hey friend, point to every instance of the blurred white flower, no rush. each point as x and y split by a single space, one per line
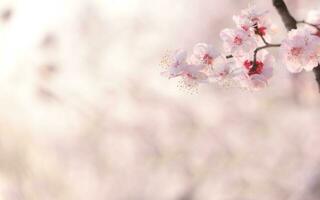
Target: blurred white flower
313 17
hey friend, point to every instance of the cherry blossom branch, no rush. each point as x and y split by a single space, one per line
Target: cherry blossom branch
248 39
316 71
313 25
267 45
254 67
291 23
264 40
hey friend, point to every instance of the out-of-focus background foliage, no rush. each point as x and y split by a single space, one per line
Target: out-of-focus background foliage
85 114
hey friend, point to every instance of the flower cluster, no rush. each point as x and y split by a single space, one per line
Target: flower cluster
245 59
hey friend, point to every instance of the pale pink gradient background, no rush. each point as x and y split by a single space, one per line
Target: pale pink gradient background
105 125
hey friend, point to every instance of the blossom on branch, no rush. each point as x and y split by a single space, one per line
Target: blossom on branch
300 50
256 73
253 21
204 54
237 41
245 61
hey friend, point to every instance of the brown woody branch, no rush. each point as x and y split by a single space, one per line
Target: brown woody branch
291 23
288 20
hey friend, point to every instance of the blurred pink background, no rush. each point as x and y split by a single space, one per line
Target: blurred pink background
85 113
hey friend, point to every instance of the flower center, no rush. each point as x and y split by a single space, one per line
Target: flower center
190 76
261 31
296 51
256 70
237 40
207 59
247 64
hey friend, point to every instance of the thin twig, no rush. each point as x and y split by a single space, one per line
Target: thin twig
254 66
264 40
267 45
310 24
289 22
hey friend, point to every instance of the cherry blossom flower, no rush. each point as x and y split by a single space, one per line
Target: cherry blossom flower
204 54
237 41
253 21
256 75
175 64
178 66
300 50
221 69
193 75
226 73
